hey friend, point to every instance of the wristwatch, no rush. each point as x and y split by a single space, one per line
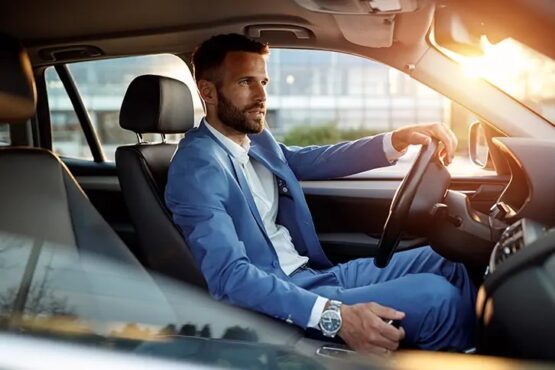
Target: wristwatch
330 321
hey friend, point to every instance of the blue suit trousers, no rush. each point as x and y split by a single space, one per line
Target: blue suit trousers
436 295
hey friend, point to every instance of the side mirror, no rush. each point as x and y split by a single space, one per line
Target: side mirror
479 148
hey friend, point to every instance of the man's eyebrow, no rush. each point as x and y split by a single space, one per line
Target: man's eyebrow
247 77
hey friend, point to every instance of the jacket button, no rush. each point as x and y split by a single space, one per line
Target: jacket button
275 263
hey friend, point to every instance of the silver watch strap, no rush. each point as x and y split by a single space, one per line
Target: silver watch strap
334 305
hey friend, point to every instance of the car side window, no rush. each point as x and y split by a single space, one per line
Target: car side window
5 139
324 97
68 139
102 85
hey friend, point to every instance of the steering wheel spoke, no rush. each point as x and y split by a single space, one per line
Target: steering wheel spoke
423 187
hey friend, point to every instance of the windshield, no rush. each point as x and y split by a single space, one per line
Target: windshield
518 70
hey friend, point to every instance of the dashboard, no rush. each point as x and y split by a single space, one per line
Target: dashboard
516 304
532 186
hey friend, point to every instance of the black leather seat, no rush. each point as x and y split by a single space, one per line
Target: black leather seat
39 198
162 105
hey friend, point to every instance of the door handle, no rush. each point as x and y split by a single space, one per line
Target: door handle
300 33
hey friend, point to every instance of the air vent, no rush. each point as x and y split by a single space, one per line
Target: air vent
515 237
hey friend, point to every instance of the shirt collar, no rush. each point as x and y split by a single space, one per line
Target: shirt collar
239 152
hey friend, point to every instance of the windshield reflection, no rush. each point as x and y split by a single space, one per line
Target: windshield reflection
57 291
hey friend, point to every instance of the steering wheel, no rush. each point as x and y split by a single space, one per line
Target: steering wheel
424 186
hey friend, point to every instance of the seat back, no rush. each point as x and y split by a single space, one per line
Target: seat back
39 198
155 104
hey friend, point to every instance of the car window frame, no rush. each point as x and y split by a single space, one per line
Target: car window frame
91 135
82 113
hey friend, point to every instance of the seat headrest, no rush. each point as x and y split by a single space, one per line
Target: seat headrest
157 104
17 85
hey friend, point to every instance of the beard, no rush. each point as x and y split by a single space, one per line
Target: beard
238 119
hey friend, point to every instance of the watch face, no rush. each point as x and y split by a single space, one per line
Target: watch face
330 321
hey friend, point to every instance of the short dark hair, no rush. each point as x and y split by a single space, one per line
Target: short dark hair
212 52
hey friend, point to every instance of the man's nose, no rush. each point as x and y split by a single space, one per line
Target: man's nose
260 92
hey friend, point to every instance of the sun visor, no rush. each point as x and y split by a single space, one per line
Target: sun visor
371 31
17 87
369 23
353 7
459 25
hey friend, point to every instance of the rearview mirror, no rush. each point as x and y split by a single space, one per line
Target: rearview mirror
478 147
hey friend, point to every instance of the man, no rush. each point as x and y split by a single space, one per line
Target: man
235 194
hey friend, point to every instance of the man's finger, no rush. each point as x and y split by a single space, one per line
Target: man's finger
380 340
453 137
452 142
418 138
391 333
387 313
448 139
443 154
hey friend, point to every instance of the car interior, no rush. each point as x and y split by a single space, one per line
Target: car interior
500 224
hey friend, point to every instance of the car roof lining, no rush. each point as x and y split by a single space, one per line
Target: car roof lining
178 26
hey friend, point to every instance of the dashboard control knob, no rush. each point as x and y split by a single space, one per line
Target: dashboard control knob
499 210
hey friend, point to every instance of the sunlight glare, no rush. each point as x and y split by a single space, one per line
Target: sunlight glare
517 70
502 64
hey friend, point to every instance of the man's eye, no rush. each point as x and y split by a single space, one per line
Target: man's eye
244 82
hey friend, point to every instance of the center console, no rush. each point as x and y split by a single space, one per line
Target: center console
516 303
515 237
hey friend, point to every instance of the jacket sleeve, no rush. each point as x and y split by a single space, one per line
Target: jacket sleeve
200 212
331 161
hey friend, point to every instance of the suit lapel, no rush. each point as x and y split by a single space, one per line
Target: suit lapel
269 160
239 175
258 152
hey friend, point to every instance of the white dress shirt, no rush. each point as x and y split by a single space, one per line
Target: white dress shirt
263 186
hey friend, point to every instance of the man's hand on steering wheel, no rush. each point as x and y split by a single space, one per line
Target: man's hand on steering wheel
421 134
422 187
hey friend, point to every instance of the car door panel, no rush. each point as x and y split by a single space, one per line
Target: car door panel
349 214
342 247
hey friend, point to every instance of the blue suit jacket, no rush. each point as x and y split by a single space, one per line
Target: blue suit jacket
213 206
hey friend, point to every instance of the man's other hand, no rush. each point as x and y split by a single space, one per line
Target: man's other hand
365 328
421 134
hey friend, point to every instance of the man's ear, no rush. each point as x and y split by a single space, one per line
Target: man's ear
207 90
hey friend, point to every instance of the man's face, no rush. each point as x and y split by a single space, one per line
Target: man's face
242 92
